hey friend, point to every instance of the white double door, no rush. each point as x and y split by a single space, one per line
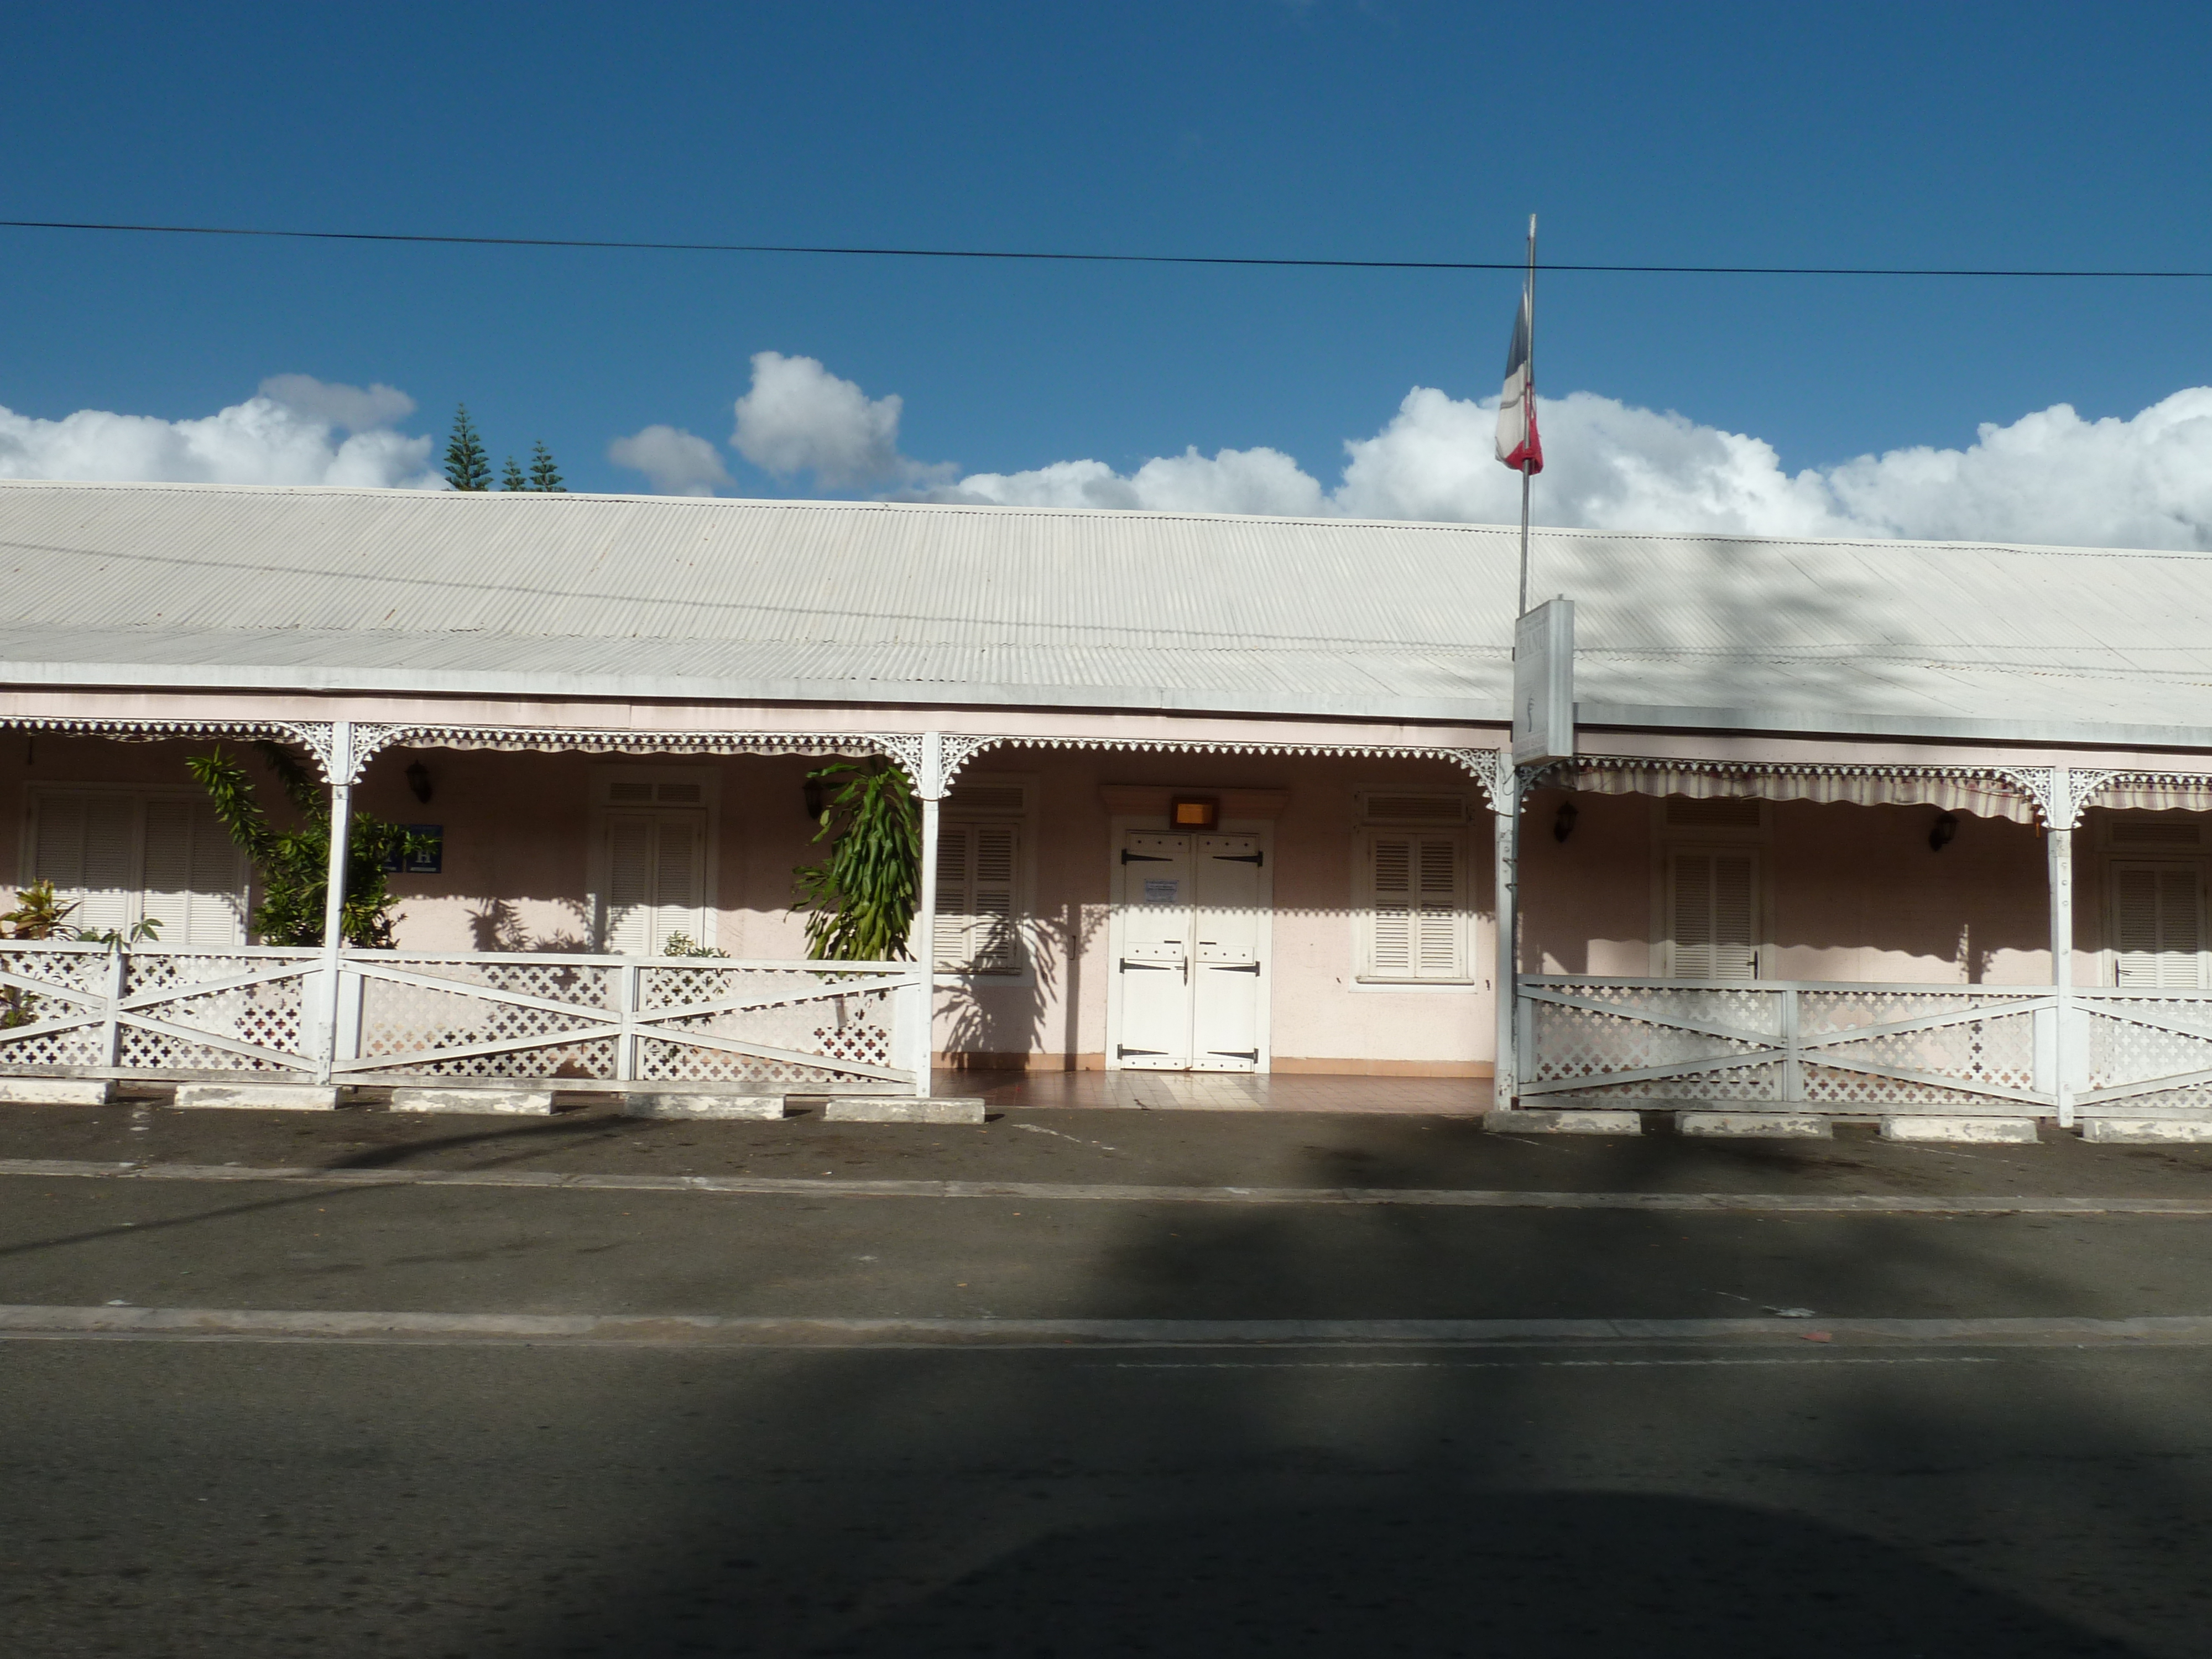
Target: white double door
1190 970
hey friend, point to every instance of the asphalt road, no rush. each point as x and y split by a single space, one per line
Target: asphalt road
912 1487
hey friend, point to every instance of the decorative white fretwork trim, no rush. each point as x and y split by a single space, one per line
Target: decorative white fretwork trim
1479 763
369 739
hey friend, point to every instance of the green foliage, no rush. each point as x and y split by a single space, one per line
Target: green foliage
467 466
860 901
294 865
544 475
513 478
683 945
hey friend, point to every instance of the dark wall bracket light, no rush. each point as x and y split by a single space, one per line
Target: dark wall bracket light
1563 826
418 780
1942 832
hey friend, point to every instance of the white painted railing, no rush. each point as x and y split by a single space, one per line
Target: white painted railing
1809 1045
90 1011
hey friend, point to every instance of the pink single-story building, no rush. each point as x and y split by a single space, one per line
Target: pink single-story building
1849 829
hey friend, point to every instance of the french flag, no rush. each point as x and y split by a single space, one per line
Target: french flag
1518 445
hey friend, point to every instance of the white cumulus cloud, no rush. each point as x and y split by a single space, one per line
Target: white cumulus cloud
2049 477
799 417
675 462
286 435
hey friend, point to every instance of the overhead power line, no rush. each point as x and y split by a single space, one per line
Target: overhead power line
1072 257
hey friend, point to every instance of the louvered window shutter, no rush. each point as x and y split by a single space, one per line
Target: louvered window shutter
169 869
630 886
86 847
218 908
1437 918
1736 935
955 855
2158 926
1714 910
1390 878
1693 915
991 945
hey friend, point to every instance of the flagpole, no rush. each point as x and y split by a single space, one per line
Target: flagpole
1530 394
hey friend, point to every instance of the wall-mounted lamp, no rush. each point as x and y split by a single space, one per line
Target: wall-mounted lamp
1563 824
1194 812
418 780
1942 832
811 792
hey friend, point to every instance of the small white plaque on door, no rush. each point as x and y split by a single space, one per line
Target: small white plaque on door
1163 892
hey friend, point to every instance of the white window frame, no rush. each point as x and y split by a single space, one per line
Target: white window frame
1024 923
1453 828
604 807
134 899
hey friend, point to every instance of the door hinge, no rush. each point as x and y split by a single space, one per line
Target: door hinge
1234 857
1150 967
1234 967
1123 1053
1127 857
1252 1055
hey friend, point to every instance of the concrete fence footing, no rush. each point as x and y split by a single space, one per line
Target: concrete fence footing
56 1091
1565 1122
497 1103
890 1108
1756 1126
702 1106
2008 1131
257 1096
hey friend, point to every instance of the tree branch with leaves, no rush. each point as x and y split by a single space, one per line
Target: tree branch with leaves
860 901
294 865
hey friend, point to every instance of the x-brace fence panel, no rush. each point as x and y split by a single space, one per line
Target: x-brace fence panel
94 1010
1811 1045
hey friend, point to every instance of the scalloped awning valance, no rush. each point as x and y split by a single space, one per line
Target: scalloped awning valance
1952 789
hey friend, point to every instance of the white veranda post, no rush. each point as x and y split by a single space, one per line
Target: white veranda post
2061 964
929 785
341 775
1505 835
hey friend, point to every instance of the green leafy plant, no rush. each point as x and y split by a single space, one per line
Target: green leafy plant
683 945
860 900
467 466
294 865
512 478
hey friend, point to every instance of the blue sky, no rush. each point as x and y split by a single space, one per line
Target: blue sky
1985 135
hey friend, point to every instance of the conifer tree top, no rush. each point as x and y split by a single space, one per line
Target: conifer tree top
467 466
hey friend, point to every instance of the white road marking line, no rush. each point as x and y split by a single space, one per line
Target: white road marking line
1093 1191
1536 1364
1039 1129
40 1322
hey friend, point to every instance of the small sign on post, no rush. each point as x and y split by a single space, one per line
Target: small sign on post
1544 684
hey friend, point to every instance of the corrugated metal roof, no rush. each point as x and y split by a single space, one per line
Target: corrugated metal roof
632 595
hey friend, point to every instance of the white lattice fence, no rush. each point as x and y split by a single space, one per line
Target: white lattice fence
767 1025
176 1014
2147 1053
155 1013
1810 1045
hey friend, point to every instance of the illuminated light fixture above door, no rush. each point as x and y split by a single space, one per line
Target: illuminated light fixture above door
1195 813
